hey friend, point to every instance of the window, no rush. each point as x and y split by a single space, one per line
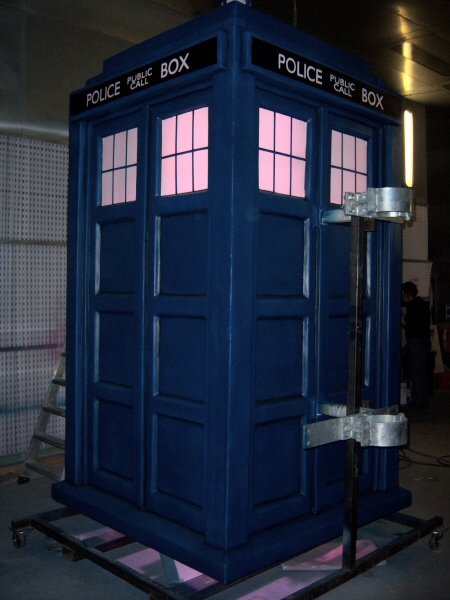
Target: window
119 167
282 153
348 165
184 153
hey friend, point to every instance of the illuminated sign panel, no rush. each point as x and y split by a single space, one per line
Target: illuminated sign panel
190 59
302 69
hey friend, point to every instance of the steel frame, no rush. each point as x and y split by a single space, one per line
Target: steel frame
204 587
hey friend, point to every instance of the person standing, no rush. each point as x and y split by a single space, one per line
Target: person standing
418 342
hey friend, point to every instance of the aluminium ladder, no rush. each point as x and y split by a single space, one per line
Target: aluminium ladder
33 461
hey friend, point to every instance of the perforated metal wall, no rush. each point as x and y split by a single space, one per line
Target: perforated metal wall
33 206
415 235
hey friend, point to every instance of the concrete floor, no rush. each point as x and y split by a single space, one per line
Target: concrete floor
40 571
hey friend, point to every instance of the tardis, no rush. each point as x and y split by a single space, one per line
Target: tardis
208 299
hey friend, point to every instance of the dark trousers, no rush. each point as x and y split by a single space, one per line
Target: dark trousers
417 351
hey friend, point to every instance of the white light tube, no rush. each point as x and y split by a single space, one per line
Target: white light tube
409 147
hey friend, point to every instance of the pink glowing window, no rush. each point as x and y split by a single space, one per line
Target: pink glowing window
184 153
348 165
282 154
119 167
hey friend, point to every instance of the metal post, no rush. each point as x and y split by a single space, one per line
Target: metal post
357 258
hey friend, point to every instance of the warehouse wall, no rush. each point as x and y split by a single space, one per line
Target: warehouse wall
33 203
50 48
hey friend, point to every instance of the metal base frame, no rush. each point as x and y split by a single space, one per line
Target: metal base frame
203 587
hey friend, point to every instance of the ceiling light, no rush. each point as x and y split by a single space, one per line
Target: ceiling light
422 57
409 147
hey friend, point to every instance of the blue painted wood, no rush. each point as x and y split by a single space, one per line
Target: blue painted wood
204 328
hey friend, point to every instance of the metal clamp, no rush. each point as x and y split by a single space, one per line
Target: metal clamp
388 204
369 428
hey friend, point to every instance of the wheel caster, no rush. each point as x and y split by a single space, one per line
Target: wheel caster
435 538
21 479
19 539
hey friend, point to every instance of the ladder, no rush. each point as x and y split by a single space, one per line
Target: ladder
33 460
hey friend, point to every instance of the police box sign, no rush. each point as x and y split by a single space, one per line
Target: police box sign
186 61
296 67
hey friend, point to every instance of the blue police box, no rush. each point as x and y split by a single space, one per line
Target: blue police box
208 302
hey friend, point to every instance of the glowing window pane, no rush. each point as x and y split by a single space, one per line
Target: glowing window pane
119 186
336 149
336 186
118 183
282 133
266 171
108 153
299 138
131 184
184 173
266 129
168 176
120 149
361 183
350 173
201 128
298 178
184 132
107 188
282 174
180 135
200 170
132 146
348 183
361 155
348 148
168 134
281 138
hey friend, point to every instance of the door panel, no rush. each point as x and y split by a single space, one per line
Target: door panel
284 306
115 332
350 171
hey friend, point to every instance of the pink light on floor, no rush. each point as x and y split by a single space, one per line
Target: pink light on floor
326 557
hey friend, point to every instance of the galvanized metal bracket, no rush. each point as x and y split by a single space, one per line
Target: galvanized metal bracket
383 204
379 427
338 409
